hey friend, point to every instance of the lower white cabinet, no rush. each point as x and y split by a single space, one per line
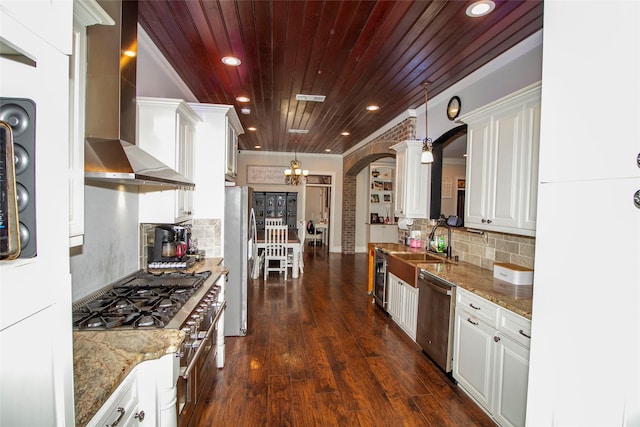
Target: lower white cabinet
491 357
147 396
122 408
402 304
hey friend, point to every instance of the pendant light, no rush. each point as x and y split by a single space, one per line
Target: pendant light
427 144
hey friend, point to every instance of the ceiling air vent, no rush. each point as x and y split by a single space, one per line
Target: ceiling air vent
298 130
310 98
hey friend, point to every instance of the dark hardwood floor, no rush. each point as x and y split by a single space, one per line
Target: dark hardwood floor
320 353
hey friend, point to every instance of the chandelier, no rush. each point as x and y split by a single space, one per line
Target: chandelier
295 175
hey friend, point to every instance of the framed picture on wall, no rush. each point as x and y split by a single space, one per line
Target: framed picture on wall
387 198
388 186
461 183
374 218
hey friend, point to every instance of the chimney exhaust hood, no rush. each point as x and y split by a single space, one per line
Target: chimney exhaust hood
111 153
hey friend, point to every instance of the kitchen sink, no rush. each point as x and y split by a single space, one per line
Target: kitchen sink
419 257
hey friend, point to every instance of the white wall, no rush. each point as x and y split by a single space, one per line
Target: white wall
320 164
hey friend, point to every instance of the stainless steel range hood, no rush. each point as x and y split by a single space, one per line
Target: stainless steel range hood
111 153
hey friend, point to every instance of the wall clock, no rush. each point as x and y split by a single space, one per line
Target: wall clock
453 107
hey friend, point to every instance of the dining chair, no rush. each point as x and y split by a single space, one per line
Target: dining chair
313 235
273 221
275 249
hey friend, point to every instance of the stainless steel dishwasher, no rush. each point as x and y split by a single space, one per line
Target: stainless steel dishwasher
434 331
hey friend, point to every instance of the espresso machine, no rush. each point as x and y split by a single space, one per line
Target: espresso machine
170 246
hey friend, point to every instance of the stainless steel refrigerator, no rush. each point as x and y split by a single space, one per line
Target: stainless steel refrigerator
239 255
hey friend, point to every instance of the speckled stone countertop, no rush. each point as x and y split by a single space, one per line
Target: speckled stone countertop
103 359
474 279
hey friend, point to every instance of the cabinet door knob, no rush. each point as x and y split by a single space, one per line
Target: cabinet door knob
496 339
488 221
636 199
139 416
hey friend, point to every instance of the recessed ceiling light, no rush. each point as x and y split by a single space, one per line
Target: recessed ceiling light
345 133
243 99
252 128
231 60
328 150
257 147
373 107
480 8
130 53
245 110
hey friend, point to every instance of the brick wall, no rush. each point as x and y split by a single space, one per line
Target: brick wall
358 160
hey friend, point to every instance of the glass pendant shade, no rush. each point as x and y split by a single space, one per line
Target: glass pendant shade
426 157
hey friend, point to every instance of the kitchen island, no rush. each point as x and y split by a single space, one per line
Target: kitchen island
103 359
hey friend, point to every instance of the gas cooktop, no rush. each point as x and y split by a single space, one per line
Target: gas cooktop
142 300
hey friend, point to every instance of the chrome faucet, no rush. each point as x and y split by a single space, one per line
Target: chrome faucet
442 222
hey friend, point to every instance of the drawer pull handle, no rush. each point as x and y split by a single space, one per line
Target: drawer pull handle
471 321
473 306
524 334
122 411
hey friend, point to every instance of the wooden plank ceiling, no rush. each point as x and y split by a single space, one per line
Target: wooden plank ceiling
355 53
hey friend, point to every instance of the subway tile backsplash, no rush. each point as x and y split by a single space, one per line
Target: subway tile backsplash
483 250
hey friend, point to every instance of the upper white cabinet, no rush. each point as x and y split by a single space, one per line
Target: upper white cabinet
232 129
216 139
38 17
86 13
166 130
413 181
503 140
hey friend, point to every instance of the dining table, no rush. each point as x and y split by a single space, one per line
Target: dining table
293 243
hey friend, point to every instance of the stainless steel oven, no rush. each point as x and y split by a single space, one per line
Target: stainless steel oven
380 278
434 331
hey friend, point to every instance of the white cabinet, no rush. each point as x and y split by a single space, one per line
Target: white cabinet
38 16
224 128
122 407
413 181
382 233
86 13
217 131
402 304
36 375
166 130
232 150
473 350
503 139
146 396
491 357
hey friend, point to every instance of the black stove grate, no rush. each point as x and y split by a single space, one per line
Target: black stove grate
140 301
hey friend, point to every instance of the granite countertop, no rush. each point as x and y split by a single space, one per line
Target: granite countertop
472 278
103 359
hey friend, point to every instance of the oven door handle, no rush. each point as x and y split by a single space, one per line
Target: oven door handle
187 371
